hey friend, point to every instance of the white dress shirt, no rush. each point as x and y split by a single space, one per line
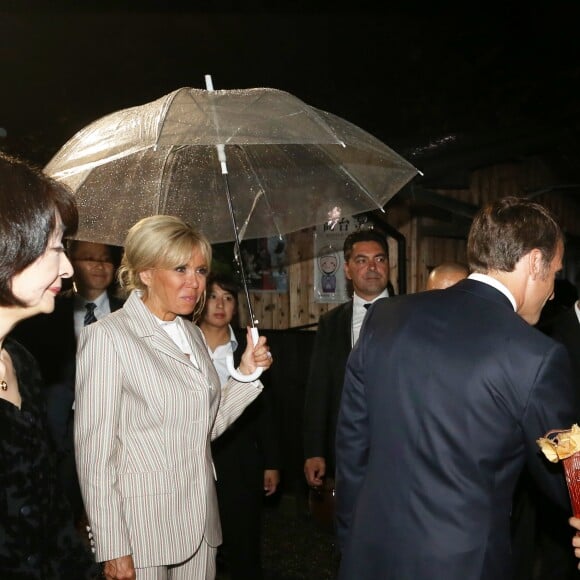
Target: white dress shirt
220 354
103 308
174 328
359 311
496 284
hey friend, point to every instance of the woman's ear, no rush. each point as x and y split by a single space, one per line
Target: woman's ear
145 277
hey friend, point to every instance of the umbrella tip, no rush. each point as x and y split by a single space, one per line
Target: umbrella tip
208 83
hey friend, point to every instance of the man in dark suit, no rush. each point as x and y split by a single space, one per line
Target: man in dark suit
552 557
445 395
52 339
367 268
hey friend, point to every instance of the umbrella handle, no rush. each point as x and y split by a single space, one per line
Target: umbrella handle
237 374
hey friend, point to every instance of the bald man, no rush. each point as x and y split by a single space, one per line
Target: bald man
446 274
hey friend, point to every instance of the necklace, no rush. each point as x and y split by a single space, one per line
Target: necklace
3 383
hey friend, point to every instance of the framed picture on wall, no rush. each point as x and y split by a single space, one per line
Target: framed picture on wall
330 284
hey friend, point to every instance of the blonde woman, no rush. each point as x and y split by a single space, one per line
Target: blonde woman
148 404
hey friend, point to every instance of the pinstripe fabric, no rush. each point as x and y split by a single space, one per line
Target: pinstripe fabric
201 566
143 422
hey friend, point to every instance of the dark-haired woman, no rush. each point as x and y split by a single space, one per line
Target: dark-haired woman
247 455
37 536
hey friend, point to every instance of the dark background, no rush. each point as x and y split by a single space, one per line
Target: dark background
450 88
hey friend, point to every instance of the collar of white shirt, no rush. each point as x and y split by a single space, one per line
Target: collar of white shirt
358 303
101 302
496 284
176 330
220 354
359 311
102 309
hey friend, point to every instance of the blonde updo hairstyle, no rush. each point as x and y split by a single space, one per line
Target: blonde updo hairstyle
159 241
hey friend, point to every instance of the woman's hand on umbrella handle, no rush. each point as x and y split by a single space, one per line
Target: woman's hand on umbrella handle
256 358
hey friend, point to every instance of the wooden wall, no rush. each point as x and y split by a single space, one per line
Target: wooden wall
529 177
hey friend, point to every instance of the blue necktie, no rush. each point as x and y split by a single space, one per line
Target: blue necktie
90 314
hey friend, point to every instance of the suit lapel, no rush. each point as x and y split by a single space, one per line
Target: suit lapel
344 328
148 328
197 346
163 343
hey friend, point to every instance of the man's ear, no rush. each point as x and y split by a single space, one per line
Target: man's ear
345 267
536 263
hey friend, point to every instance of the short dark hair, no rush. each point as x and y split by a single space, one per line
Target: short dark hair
364 236
228 284
29 201
505 230
225 282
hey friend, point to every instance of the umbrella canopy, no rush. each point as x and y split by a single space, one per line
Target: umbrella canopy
289 166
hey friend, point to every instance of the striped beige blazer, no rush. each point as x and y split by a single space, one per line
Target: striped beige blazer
144 419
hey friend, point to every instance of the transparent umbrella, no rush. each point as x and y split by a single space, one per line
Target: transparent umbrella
289 165
236 164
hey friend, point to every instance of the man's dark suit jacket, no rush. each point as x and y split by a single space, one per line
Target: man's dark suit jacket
445 395
332 345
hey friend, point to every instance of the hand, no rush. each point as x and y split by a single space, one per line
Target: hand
271 480
575 523
120 569
315 470
254 356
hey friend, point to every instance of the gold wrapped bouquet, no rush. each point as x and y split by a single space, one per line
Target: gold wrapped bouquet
564 446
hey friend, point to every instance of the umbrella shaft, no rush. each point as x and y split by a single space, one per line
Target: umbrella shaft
238 252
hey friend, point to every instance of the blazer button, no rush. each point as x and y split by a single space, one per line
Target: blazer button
25 510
